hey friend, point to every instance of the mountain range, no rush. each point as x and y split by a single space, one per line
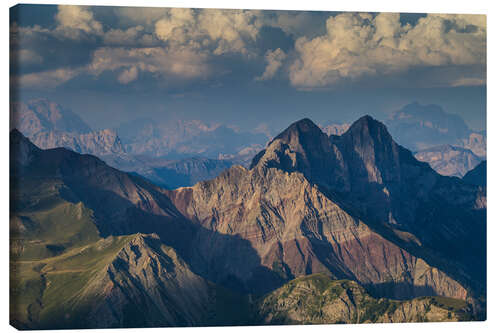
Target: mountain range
185 138
449 160
92 246
49 125
190 151
419 127
439 138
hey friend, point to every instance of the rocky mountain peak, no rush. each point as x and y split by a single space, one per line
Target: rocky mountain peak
42 115
372 153
302 129
368 128
305 148
303 136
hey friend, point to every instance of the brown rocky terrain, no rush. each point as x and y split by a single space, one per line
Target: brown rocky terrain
352 205
357 207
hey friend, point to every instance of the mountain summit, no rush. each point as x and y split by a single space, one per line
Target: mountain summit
289 204
357 207
304 148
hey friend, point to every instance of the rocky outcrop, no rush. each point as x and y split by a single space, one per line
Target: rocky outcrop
317 299
146 284
448 160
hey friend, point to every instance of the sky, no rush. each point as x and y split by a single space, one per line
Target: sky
246 67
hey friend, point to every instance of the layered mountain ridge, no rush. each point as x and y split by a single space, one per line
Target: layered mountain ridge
356 206
48 125
365 171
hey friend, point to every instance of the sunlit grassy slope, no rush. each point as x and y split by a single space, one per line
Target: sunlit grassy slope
317 299
55 250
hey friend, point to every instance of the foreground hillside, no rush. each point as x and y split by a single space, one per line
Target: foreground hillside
70 271
92 246
317 299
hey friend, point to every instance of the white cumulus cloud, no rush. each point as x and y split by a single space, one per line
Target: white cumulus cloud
180 63
220 30
357 45
72 20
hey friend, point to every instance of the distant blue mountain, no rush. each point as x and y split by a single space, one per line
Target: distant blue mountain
418 127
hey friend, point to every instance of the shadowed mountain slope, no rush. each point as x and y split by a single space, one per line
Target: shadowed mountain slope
313 203
356 206
477 176
80 257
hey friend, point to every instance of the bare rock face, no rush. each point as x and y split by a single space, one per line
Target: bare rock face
310 203
448 160
48 125
303 147
288 229
146 284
